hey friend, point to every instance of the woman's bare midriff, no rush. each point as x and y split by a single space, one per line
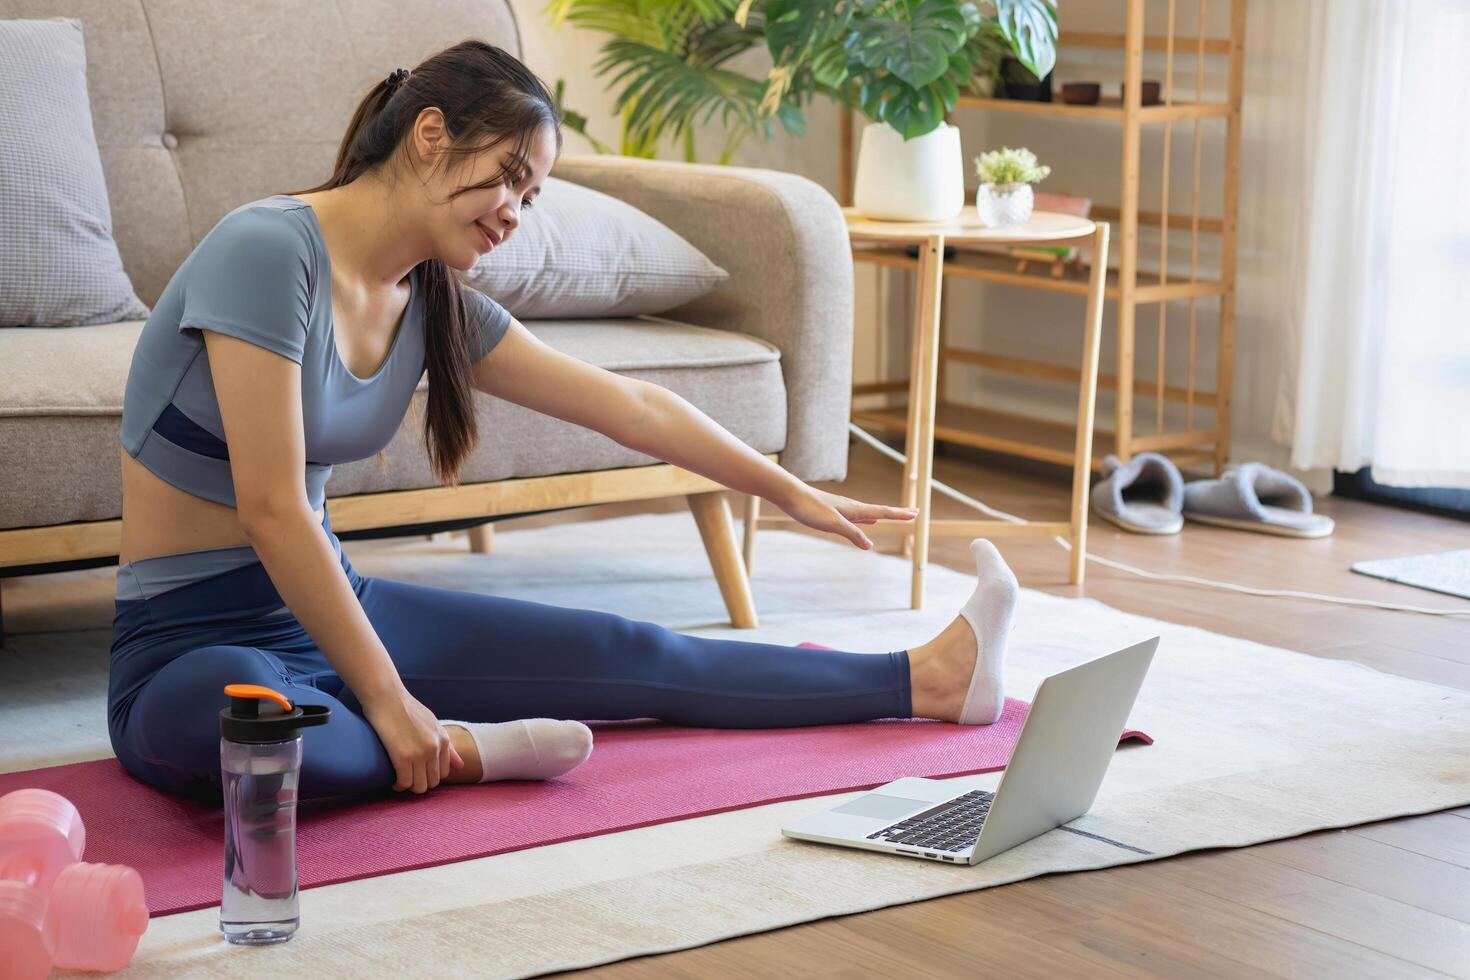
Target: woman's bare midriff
160 519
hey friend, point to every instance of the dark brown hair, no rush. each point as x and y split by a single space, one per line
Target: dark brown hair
487 96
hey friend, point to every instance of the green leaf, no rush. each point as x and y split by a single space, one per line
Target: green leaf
913 113
876 91
960 68
915 45
662 93
792 119
829 67
946 91
974 19
1030 26
797 29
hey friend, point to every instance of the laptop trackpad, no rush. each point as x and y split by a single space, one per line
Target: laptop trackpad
880 806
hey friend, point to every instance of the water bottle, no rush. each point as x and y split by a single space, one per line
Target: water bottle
260 761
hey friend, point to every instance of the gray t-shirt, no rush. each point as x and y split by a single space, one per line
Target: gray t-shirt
263 274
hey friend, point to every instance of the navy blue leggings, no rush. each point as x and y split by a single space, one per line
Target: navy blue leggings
464 655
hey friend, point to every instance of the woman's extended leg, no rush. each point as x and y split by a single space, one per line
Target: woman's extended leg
491 658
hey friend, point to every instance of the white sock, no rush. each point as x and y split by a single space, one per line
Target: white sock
989 612
528 748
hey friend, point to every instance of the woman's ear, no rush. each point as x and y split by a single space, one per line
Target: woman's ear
428 138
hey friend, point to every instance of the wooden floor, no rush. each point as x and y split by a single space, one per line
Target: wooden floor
1381 900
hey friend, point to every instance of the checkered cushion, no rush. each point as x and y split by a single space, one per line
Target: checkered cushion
581 253
59 265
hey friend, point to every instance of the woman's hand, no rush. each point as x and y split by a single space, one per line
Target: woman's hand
417 744
829 512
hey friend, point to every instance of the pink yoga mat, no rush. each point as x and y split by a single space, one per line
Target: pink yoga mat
640 773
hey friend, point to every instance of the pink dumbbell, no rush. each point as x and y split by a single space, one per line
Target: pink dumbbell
40 833
54 908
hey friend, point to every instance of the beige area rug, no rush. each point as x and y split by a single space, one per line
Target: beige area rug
1253 744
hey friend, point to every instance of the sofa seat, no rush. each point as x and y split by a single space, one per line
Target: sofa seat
61 396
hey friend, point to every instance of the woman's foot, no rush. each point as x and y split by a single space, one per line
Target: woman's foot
958 676
527 748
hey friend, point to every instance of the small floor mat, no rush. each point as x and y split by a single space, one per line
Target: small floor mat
1442 571
640 773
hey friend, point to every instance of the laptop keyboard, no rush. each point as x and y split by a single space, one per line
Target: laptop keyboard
950 826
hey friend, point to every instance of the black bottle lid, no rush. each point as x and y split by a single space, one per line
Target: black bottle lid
258 714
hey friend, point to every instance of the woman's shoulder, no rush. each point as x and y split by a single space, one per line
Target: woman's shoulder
275 220
266 235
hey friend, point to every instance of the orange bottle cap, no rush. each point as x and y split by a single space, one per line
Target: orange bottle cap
259 692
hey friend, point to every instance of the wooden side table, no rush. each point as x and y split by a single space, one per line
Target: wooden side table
1043 228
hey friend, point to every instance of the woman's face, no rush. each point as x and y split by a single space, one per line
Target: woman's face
469 224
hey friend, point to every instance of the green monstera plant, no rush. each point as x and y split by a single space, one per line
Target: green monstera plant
901 62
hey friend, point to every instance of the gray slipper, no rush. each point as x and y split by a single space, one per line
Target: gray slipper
1256 497
1143 495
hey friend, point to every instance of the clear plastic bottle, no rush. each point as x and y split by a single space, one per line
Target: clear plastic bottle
260 762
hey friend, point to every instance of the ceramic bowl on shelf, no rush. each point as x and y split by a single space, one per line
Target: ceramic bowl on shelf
1151 89
1081 93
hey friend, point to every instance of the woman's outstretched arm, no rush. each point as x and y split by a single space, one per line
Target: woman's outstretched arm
653 420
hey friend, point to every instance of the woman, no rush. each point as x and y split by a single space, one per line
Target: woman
292 338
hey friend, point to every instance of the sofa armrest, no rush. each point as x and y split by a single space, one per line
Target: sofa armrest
784 242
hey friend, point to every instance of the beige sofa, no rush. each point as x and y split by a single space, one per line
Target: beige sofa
200 105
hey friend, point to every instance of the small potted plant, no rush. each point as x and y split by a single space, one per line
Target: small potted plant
1004 197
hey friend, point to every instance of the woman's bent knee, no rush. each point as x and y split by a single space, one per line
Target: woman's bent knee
169 735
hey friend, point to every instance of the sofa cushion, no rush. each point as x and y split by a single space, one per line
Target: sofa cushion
581 253
61 405
59 265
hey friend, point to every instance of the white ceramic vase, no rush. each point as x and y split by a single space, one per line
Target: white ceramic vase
1003 205
922 179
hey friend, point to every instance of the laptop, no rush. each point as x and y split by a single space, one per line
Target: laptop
1064 748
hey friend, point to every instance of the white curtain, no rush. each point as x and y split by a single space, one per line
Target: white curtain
1384 301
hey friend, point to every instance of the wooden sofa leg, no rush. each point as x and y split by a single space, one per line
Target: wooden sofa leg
752 519
481 538
717 529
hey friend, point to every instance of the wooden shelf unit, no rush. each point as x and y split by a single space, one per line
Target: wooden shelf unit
1106 110
1126 285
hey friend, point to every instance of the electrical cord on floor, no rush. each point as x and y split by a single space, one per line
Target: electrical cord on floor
1158 576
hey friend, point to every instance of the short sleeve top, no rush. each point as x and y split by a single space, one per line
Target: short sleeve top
263 274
